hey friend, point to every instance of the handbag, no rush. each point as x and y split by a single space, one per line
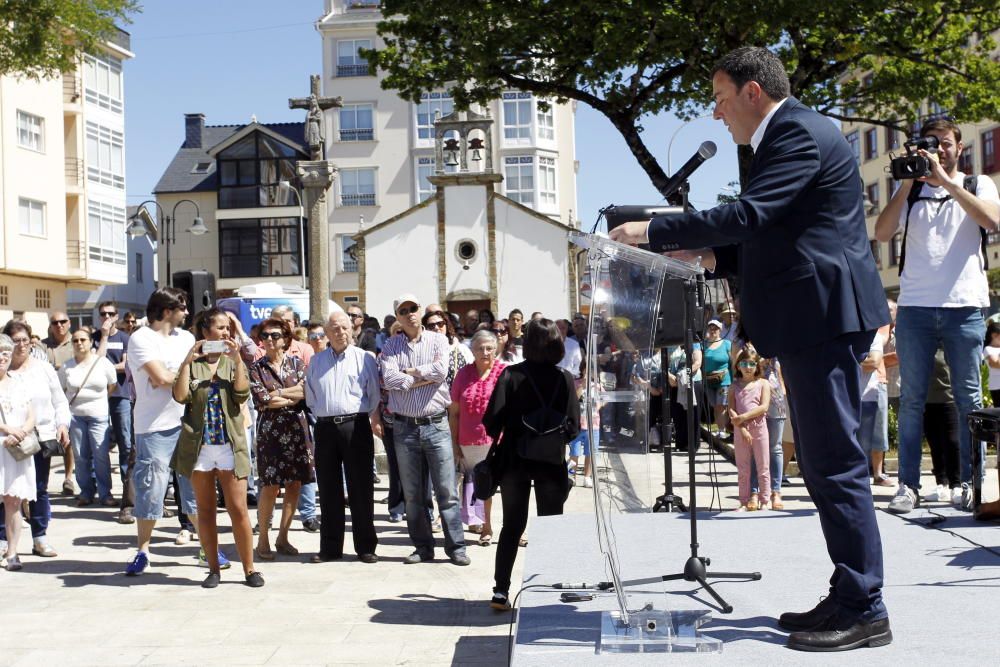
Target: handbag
51 448
27 447
545 434
486 475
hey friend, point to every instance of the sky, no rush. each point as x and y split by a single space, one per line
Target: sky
233 59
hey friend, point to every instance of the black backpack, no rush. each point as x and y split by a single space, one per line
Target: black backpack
969 184
545 429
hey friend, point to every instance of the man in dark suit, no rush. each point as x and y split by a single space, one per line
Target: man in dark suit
811 296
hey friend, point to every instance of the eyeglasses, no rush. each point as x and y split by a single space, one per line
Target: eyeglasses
316 336
436 325
107 314
63 322
747 364
357 315
81 340
408 311
499 331
273 335
21 341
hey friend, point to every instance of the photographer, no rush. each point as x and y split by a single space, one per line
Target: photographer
943 288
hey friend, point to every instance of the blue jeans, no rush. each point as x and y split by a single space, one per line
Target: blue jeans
775 429
919 333
121 425
873 436
92 449
420 449
151 474
307 502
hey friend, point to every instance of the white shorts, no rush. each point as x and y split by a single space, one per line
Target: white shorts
215 457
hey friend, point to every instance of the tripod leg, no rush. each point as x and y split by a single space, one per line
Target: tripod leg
755 576
726 607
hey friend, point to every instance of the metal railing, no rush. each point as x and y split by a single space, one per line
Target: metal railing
72 88
360 134
76 253
74 171
360 69
122 39
357 200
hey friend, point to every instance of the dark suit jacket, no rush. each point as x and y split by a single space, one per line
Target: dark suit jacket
796 237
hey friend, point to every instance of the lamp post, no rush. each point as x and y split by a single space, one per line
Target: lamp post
302 231
138 228
673 136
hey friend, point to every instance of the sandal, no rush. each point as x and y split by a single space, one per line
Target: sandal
485 540
523 542
476 529
286 549
754 503
776 502
263 555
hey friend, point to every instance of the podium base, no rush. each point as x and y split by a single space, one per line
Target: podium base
654 631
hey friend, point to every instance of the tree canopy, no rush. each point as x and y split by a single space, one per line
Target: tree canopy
631 58
41 38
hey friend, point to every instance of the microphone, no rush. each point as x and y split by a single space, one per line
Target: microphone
705 151
580 586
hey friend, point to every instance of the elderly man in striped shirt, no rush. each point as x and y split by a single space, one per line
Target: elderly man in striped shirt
414 367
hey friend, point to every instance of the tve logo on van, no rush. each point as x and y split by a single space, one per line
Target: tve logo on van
260 312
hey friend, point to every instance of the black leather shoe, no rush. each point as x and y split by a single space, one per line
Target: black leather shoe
311 525
320 558
809 620
842 632
368 558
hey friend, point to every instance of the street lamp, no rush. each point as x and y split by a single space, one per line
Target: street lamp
673 136
138 228
302 232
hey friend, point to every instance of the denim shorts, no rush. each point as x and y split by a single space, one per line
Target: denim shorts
717 394
580 444
151 474
215 457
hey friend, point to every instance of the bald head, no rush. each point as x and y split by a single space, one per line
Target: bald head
338 329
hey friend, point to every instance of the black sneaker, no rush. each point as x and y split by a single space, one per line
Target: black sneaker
211 581
500 602
255 580
311 525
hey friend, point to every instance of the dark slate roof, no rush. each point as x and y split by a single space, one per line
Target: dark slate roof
178 176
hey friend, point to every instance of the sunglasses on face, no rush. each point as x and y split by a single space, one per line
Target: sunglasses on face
747 364
408 311
355 316
436 325
499 330
61 322
316 336
272 335
107 314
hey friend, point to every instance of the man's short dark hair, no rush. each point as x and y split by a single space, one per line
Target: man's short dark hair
939 124
105 304
163 299
543 343
754 63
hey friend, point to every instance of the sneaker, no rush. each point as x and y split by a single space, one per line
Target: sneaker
311 525
125 516
588 483
13 563
224 563
395 517
905 500
254 580
436 526
418 557
460 559
500 602
956 496
138 565
183 537
211 581
941 494
966 499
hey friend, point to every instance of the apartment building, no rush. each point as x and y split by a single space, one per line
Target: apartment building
62 184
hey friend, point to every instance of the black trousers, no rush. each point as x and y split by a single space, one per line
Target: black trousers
941 429
352 446
551 489
678 415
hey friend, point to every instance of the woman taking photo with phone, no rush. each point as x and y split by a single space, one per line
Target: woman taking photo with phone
212 384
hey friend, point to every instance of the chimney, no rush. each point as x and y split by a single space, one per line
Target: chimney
194 128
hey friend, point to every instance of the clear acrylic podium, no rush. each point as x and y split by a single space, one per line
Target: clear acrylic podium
622 286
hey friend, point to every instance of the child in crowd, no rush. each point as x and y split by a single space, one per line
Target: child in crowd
750 397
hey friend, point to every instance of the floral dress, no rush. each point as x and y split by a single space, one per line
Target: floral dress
284 451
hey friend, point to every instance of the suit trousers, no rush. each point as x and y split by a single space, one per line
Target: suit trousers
352 446
824 397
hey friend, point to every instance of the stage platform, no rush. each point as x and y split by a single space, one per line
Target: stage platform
942 588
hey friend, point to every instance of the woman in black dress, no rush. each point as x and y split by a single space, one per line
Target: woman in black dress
284 452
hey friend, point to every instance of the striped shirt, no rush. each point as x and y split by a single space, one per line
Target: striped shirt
342 384
428 355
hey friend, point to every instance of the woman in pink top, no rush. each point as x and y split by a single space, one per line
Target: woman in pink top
749 398
470 394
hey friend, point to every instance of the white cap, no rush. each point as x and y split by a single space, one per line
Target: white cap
403 298
714 323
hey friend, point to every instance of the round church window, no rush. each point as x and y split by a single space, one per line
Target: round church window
466 250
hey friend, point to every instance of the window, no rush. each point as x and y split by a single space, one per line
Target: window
965 160
251 171
519 178
546 131
251 248
357 187
852 141
891 139
517 118
876 252
31 217
873 199
871 144
139 273
989 151
43 299
201 167
102 81
106 237
4 296
425 169
891 185
30 132
105 156
363 4
895 248
349 61
547 183
432 104
356 122
348 256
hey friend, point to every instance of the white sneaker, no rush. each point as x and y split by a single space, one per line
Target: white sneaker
588 483
966 499
956 496
905 500
941 494
183 537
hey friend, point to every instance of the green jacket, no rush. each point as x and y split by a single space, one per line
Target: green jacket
193 422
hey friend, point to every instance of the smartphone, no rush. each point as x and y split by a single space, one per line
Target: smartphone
575 597
214 347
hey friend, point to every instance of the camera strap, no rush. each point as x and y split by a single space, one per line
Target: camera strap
969 183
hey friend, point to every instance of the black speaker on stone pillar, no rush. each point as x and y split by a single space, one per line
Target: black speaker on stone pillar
200 288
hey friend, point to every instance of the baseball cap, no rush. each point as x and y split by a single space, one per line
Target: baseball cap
403 298
714 323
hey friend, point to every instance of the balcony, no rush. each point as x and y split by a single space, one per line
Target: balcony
360 134
121 39
72 87
74 174
358 69
76 257
357 199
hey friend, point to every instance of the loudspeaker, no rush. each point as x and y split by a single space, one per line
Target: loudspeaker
200 288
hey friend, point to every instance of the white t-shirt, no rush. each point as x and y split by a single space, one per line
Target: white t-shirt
991 351
155 409
944 265
572 357
90 399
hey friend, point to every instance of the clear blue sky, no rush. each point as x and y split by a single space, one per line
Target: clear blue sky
231 59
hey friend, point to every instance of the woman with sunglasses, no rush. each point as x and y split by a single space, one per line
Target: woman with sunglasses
284 453
17 477
507 352
88 379
459 356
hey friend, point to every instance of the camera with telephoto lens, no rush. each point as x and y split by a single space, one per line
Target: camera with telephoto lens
913 165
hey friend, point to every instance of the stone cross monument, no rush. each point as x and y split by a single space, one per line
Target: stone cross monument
316 176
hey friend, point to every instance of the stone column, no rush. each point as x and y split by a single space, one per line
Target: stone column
317 177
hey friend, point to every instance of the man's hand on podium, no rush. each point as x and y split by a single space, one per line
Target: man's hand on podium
706 256
631 233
